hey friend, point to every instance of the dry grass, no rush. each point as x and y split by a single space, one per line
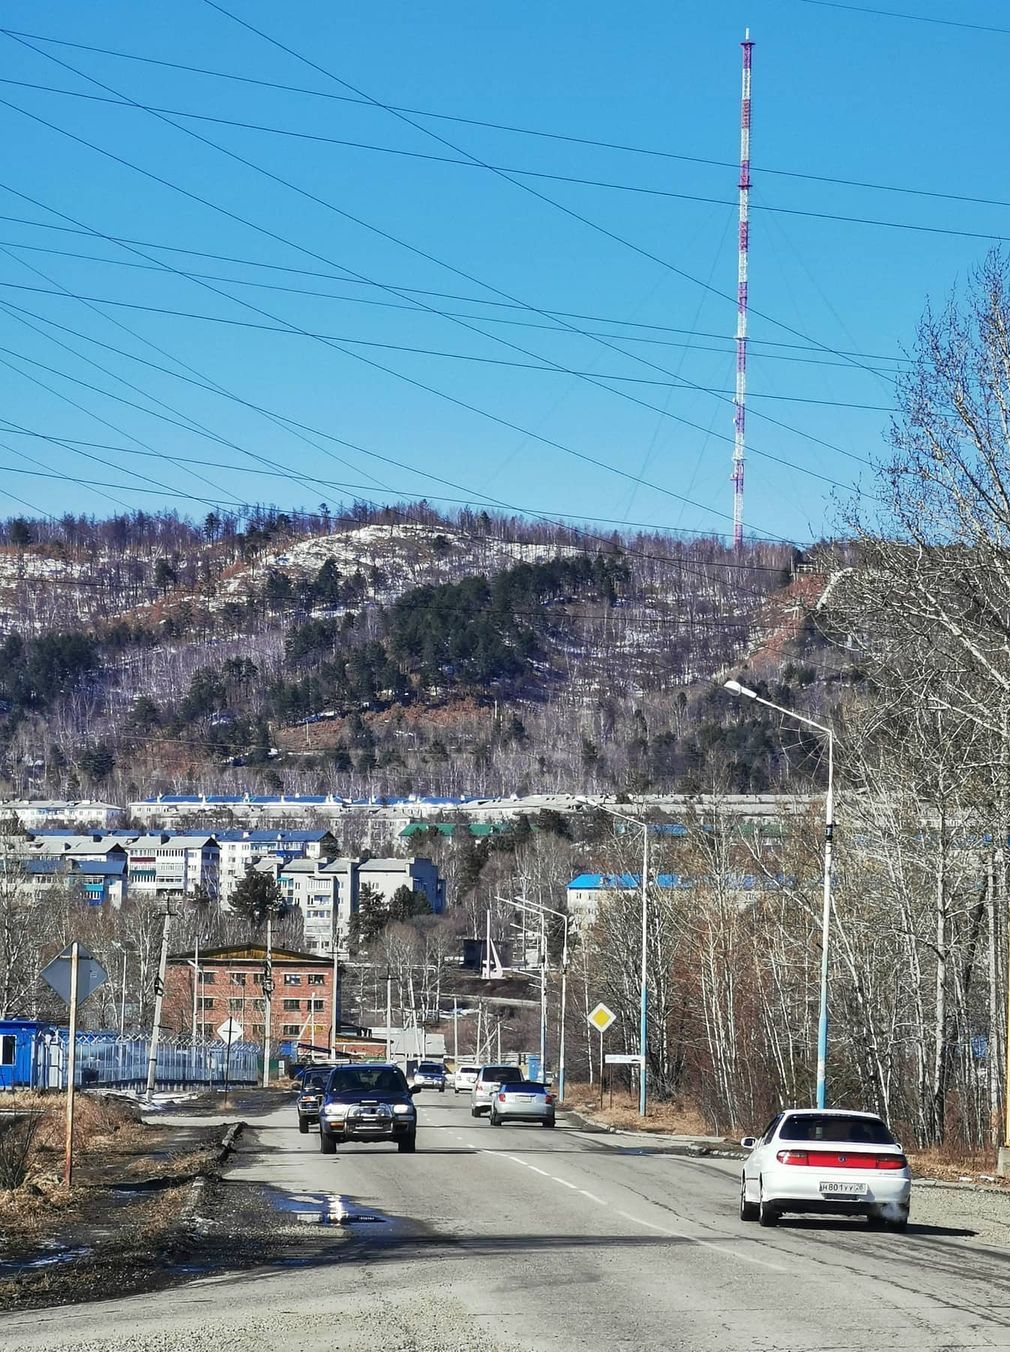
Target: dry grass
956 1166
676 1116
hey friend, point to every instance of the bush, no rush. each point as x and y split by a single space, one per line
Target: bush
18 1136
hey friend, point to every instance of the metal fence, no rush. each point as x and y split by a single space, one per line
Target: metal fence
106 1059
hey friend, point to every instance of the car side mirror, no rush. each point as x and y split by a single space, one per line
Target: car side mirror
749 1142
414 1089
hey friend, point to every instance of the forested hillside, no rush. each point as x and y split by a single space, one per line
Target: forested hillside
387 652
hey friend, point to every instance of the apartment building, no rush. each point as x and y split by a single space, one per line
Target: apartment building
240 849
326 893
228 983
173 865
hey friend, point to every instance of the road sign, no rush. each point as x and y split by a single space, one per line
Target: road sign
619 1059
230 1031
601 1018
90 974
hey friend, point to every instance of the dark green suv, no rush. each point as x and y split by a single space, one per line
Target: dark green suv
367 1103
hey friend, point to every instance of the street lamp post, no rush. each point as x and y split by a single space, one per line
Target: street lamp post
829 830
643 1025
542 910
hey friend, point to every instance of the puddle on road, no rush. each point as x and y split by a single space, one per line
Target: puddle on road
324 1208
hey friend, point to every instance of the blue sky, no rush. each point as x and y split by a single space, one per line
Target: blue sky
440 254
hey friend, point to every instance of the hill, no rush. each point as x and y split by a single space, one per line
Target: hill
387 651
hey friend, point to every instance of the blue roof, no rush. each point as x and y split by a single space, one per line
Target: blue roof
105 867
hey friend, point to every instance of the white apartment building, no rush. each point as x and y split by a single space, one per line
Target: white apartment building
240 849
326 893
35 813
166 865
387 876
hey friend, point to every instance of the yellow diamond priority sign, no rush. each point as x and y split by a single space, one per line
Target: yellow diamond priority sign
601 1018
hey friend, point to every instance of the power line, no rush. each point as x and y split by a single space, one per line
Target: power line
524 187
915 18
539 132
384 234
158 267
547 176
64 293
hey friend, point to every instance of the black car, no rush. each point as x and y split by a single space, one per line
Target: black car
367 1103
310 1095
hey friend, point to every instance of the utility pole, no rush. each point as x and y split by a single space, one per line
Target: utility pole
543 995
159 996
455 1030
389 1015
268 990
68 1157
335 992
196 983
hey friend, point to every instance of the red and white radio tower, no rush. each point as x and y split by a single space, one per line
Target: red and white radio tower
740 397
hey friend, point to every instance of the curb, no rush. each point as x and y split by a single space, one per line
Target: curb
228 1141
670 1145
198 1187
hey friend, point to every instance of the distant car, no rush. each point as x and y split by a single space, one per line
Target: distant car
429 1075
527 1101
312 1083
367 1103
487 1081
464 1077
829 1161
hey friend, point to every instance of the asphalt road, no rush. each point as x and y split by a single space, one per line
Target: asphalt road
522 1238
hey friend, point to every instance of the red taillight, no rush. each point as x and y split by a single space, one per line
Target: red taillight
501 1098
548 1098
841 1159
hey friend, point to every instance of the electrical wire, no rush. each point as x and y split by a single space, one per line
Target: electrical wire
539 132
674 384
444 295
504 169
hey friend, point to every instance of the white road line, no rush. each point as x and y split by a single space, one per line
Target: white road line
637 1220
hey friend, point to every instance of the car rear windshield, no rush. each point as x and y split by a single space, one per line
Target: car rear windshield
467 1070
527 1087
430 1068
501 1074
379 1079
835 1127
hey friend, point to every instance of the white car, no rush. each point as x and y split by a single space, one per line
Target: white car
464 1078
826 1160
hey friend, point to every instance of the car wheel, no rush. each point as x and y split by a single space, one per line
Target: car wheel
474 1112
767 1215
748 1210
548 1122
874 1219
441 1089
303 1125
406 1145
327 1144
493 1118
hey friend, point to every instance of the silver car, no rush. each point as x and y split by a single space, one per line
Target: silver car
490 1078
527 1101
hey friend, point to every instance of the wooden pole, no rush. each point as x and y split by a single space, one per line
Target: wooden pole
68 1157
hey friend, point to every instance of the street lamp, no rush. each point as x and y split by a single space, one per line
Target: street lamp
829 829
643 1028
543 910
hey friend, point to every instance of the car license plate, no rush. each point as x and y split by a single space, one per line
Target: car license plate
524 1098
843 1189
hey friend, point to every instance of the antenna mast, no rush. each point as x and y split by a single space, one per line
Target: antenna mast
740 397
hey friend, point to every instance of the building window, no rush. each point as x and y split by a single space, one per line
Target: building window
257 978
316 1005
208 978
207 1002
8 1049
238 978
292 979
316 979
236 1006
291 1029
292 1004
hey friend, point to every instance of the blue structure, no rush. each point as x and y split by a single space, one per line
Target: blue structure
23 1053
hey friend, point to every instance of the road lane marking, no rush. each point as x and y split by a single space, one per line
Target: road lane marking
636 1220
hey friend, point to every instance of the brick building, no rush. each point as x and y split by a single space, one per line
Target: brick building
230 986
